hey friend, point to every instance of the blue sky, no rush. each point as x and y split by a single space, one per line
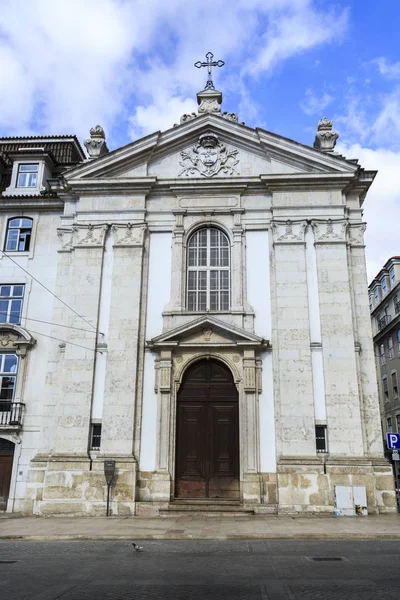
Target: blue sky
128 65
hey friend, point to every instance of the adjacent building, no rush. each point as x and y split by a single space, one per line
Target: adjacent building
194 307
384 301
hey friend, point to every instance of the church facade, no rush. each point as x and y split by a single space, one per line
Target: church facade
194 307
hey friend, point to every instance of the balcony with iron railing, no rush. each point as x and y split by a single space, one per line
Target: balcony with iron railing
397 308
385 320
11 414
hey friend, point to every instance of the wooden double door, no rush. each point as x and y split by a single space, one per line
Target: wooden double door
207 441
6 464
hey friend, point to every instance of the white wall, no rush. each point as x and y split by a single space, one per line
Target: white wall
159 291
259 297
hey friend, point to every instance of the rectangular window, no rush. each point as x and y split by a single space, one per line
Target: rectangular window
320 439
376 295
389 424
382 354
383 284
392 275
394 385
11 298
95 438
398 341
385 388
8 375
398 423
27 175
370 303
390 346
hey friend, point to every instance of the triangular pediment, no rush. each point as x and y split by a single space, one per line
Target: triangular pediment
242 152
207 331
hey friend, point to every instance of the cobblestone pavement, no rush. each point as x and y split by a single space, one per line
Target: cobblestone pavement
201 570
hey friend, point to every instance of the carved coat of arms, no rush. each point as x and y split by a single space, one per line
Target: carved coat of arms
209 157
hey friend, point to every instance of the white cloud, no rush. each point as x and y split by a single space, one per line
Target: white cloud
161 116
69 65
314 104
389 71
382 204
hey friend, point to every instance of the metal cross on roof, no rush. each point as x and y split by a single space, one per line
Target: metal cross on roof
209 64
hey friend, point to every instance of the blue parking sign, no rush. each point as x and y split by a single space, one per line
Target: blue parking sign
393 440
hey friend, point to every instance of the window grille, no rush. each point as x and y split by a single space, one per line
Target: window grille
208 278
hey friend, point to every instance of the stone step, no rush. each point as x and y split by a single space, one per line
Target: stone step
207 508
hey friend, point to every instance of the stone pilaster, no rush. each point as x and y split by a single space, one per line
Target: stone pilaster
291 342
338 343
122 356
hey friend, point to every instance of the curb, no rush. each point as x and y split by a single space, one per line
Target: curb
205 537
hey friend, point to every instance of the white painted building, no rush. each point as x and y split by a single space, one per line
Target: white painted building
193 306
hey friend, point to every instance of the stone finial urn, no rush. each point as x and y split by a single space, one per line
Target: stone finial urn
96 145
326 136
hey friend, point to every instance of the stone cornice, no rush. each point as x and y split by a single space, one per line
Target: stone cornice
37 203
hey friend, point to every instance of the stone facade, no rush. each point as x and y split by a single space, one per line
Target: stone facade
111 241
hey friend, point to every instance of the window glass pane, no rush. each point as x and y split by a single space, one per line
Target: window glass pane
192 280
192 257
15 313
7 388
18 291
14 223
213 300
3 311
24 241
26 223
192 301
224 257
224 296
202 257
5 291
10 363
202 301
202 238
214 257
202 280
213 280
31 168
12 239
224 285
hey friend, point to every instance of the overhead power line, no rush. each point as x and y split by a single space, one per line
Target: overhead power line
47 322
47 289
65 341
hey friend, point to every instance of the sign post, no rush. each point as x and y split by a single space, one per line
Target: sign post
109 472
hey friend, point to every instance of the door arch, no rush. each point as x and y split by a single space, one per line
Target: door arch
207 433
6 463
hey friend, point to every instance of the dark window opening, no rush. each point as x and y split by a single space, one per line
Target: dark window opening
96 436
320 438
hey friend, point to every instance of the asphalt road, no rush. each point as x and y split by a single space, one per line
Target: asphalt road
201 570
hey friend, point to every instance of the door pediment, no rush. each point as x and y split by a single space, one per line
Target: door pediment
207 332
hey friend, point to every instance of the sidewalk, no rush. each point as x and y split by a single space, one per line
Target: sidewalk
198 527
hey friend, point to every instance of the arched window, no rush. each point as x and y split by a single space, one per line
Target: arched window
208 280
18 234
